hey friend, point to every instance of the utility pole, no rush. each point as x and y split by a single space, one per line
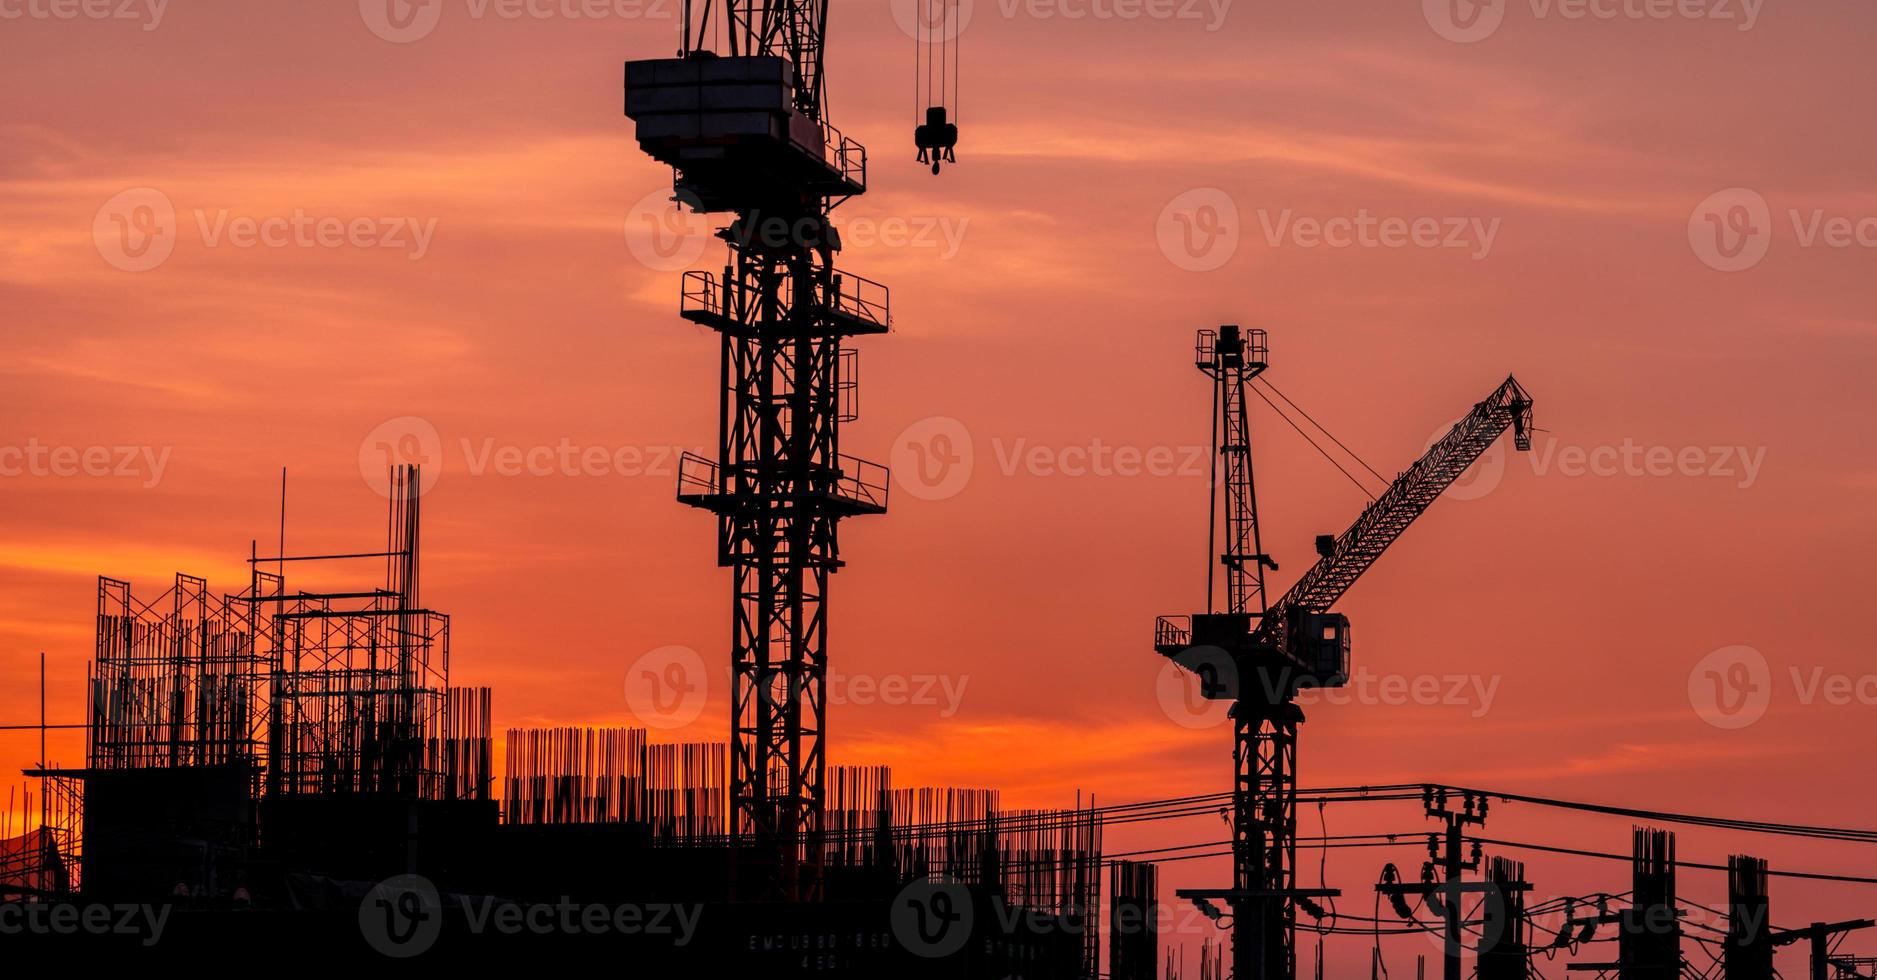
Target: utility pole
1446 850
1454 867
1819 935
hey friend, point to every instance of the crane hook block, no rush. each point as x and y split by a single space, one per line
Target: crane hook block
937 139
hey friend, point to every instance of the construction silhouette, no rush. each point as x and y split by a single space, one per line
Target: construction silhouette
291 768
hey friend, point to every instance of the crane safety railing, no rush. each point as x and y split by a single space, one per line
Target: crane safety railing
1173 631
849 295
862 299
1257 348
852 478
847 157
1405 500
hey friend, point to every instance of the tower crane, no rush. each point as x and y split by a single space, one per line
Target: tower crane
741 116
1258 655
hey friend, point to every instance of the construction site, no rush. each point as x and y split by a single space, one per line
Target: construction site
289 763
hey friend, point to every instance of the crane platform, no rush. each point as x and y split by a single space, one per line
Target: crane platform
853 306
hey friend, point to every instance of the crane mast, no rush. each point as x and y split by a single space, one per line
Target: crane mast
1258 655
746 134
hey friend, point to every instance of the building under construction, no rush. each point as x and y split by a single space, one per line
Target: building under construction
284 770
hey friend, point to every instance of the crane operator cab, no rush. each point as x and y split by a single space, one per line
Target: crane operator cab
1320 641
937 139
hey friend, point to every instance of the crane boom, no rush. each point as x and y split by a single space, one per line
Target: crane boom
1406 499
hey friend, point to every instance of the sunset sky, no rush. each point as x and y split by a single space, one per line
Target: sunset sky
1663 225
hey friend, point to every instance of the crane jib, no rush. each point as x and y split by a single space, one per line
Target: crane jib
1384 520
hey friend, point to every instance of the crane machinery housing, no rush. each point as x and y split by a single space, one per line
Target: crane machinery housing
1258 654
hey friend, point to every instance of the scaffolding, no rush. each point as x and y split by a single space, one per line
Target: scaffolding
174 682
359 694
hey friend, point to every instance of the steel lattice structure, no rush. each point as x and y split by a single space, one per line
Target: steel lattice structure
746 135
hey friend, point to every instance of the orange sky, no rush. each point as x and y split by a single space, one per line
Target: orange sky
1043 296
